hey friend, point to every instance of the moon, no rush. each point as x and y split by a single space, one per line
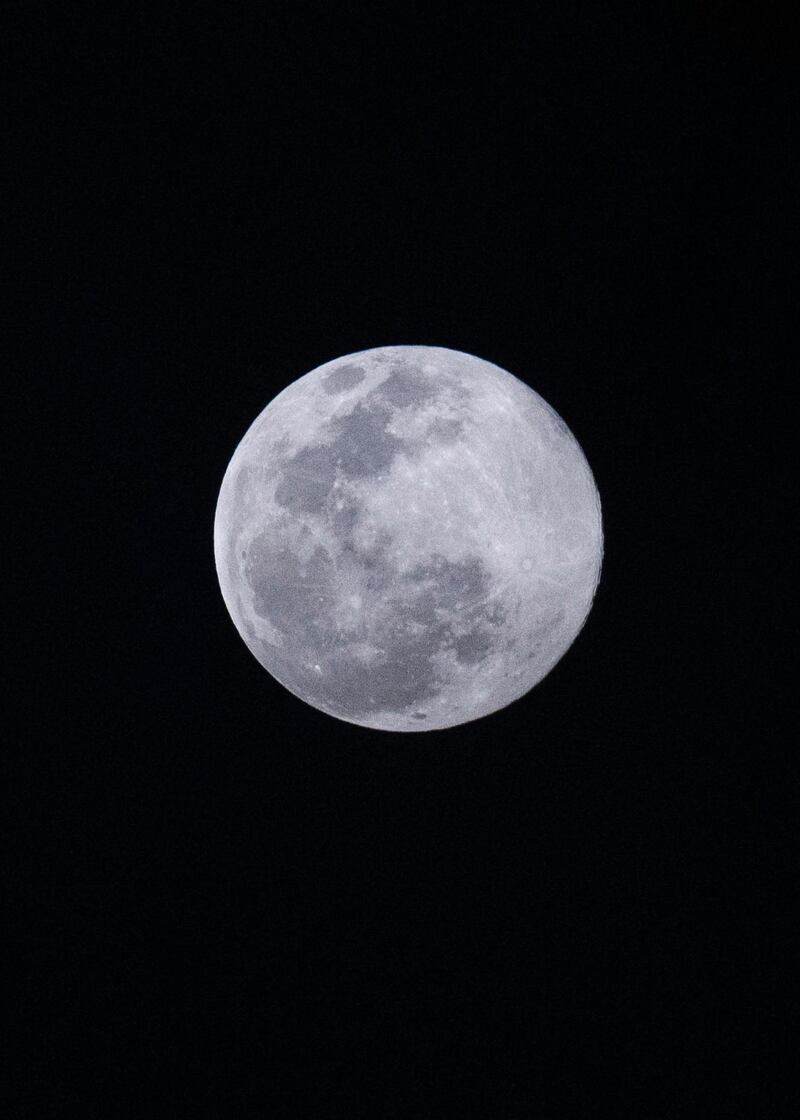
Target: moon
408 538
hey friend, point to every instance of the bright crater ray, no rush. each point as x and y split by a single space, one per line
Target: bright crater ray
408 538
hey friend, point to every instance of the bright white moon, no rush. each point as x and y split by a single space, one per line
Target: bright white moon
408 538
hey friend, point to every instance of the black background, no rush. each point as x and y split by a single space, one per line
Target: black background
224 902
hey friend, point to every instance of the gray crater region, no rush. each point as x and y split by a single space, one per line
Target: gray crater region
408 538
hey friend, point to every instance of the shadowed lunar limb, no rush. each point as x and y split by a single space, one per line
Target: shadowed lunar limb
408 538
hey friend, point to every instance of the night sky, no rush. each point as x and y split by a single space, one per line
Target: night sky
223 902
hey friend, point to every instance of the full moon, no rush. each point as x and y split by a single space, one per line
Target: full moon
408 538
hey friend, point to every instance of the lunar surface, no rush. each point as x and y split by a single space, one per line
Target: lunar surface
408 538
